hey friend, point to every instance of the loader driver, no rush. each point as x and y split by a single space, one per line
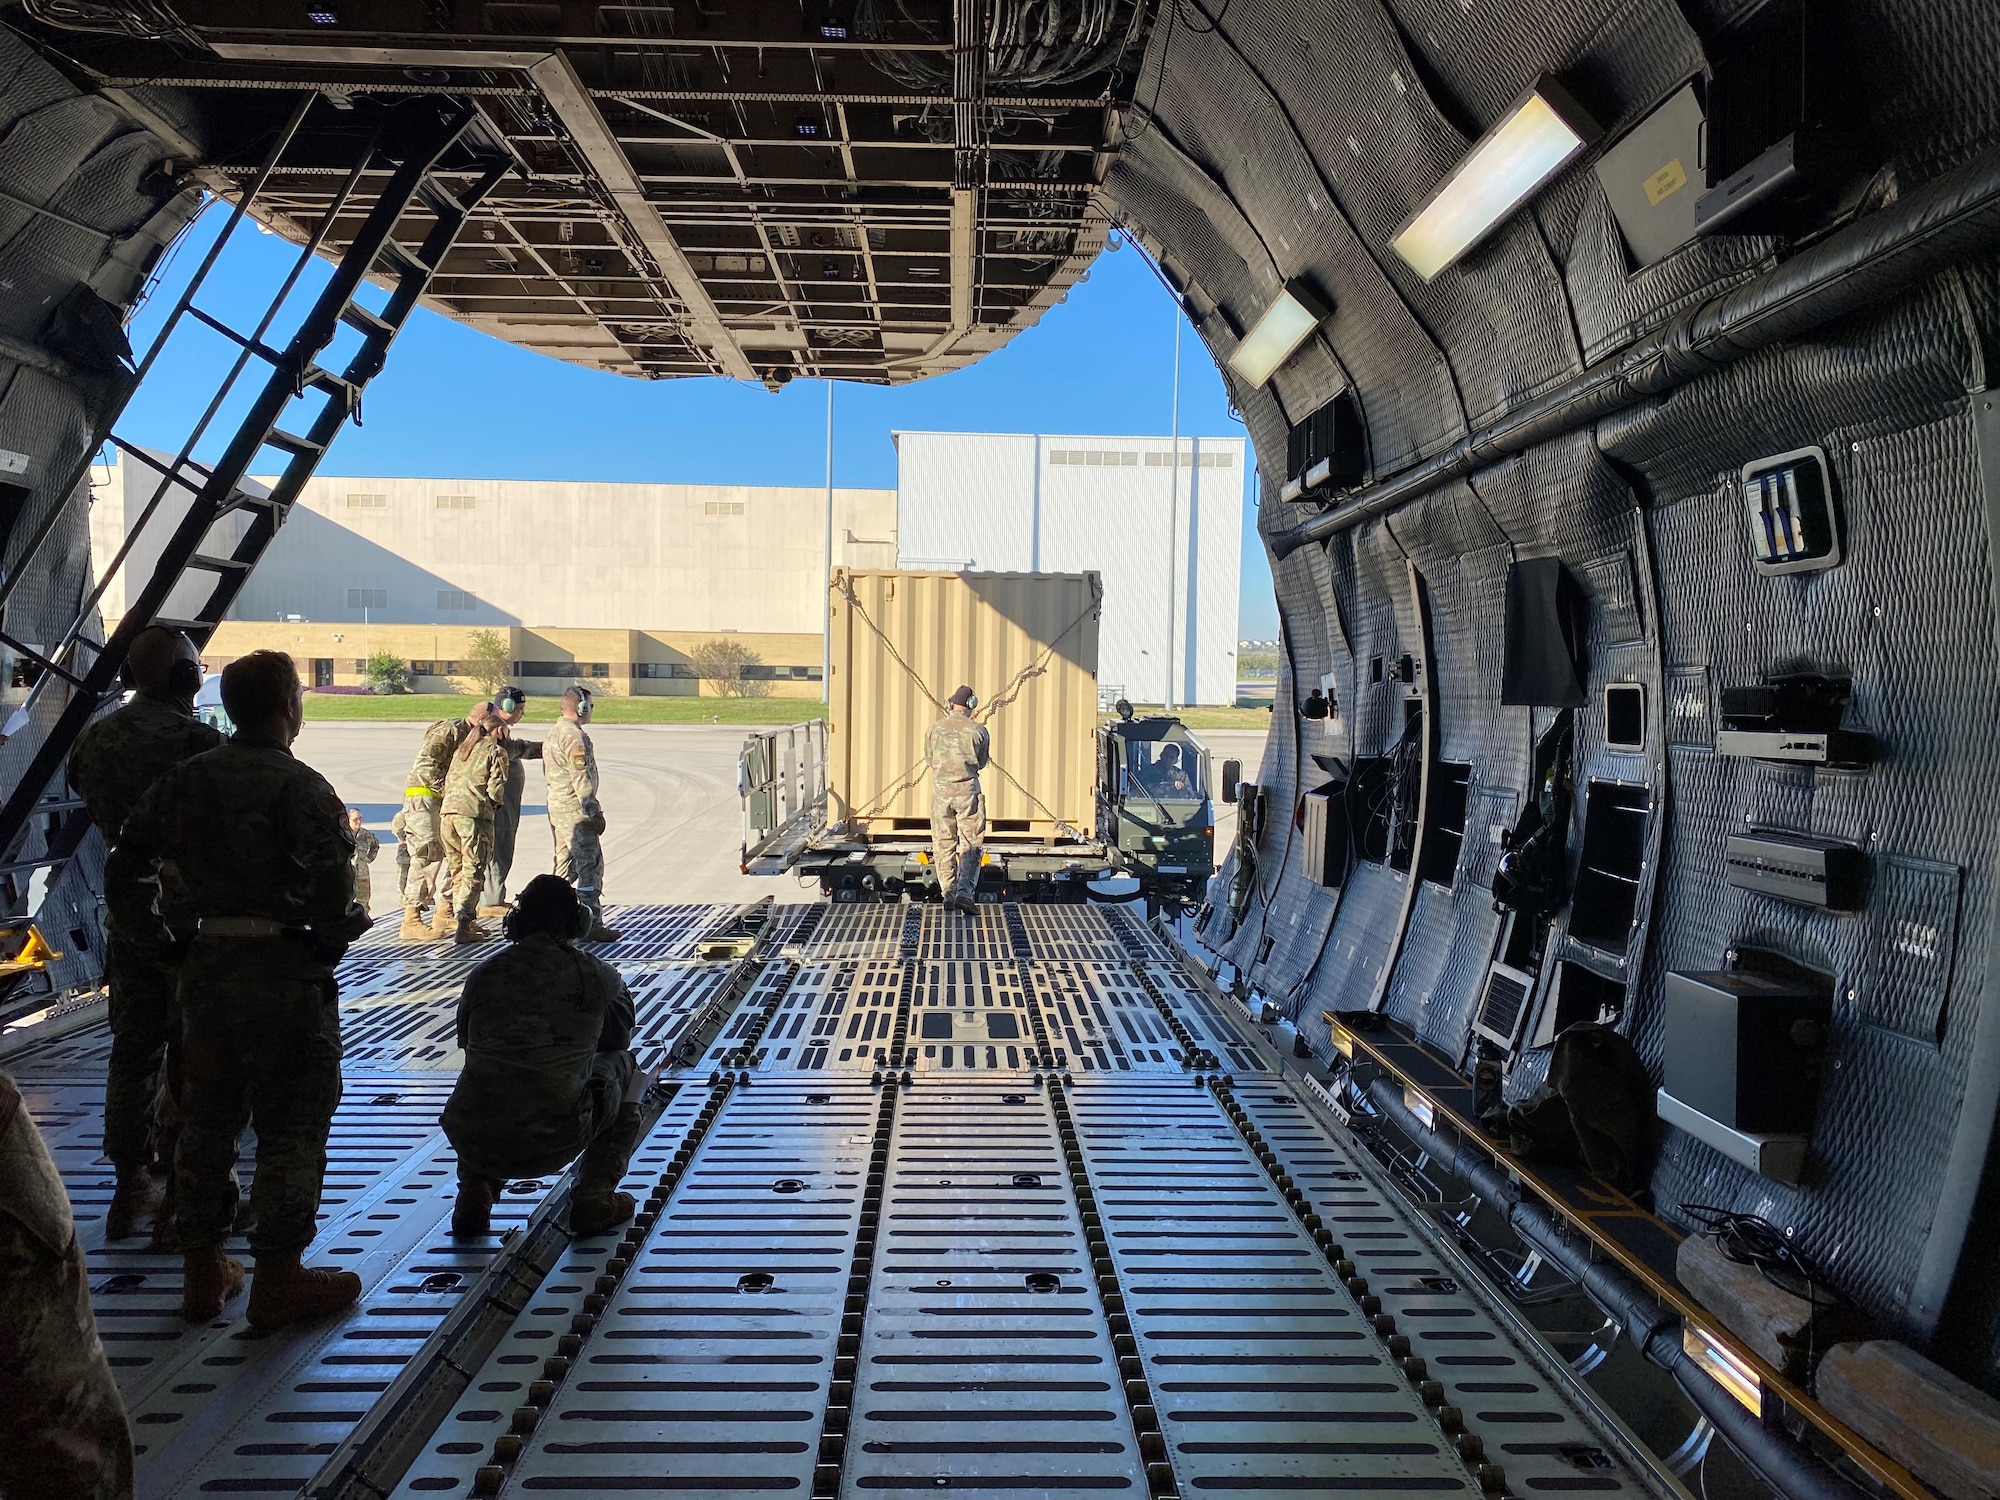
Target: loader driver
956 749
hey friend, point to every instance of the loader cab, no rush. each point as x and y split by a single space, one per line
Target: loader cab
1153 810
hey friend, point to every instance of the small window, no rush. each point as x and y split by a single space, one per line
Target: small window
367 502
722 508
367 598
457 502
599 669
458 600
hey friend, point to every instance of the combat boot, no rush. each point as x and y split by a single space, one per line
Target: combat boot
414 929
134 1198
283 1291
472 1213
599 933
469 931
209 1279
495 912
597 1205
444 921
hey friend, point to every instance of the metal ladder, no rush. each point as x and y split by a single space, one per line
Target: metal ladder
295 377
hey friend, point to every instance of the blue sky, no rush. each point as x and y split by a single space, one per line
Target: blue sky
453 403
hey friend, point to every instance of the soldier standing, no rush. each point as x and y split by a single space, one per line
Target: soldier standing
63 1433
262 843
366 847
549 1071
576 820
509 705
956 749
425 831
473 787
114 762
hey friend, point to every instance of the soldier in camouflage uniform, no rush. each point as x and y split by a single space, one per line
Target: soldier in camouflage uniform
366 847
956 749
576 820
262 843
424 826
549 1070
63 1433
114 762
509 705
473 787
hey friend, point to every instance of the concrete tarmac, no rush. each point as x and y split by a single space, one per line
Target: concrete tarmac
673 821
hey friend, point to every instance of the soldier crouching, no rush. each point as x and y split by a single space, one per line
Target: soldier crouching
262 845
549 1071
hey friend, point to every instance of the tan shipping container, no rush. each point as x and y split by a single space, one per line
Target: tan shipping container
1025 642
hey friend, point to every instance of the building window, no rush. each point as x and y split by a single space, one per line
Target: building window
653 670
367 502
760 672
367 598
1192 460
434 668
457 599
457 502
1094 458
722 507
562 669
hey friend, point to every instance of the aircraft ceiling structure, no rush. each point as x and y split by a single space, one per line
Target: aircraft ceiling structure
756 190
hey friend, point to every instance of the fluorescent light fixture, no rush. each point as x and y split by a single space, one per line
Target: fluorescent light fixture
1725 1367
1287 323
1537 138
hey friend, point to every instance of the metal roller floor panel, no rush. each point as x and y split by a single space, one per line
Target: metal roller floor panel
1012 1204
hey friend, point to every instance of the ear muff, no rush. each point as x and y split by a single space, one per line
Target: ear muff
510 700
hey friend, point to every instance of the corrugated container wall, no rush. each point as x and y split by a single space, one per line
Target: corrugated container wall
1025 642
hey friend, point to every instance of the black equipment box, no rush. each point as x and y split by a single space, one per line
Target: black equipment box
1792 718
1798 867
1744 1048
1323 850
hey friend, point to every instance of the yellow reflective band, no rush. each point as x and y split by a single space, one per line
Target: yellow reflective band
418 791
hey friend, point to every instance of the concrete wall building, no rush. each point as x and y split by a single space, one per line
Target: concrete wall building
1170 556
617 584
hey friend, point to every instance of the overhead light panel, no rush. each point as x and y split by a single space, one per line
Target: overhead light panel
1287 323
1543 132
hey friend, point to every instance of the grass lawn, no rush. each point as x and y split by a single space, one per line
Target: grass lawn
544 708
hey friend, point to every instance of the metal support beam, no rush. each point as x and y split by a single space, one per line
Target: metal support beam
572 103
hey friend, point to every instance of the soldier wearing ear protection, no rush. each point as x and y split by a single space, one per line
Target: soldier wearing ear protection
549 1071
576 820
114 763
956 747
509 704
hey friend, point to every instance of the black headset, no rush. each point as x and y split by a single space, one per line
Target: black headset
584 700
183 677
581 923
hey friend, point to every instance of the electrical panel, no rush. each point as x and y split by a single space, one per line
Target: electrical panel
1327 451
1798 868
1794 718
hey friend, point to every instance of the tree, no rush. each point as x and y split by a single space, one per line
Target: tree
487 661
722 662
388 673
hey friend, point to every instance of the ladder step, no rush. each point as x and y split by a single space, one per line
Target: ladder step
403 255
439 197
354 315
333 385
243 500
218 564
291 442
263 351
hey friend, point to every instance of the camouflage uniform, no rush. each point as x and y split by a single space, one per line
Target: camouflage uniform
63 1433
956 749
507 818
576 820
263 844
472 789
421 812
546 1030
114 762
366 847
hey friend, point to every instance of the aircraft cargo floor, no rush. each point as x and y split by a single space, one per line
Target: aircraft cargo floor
1009 1205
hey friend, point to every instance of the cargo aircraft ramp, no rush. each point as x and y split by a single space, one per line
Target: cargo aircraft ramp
1014 1204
